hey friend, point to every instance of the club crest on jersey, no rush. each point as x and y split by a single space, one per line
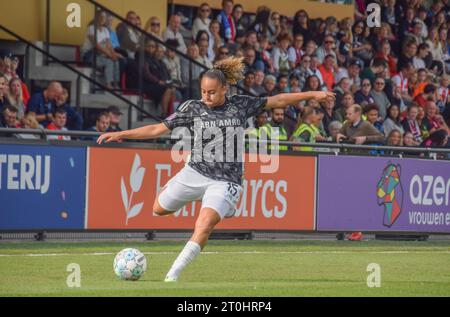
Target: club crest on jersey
232 110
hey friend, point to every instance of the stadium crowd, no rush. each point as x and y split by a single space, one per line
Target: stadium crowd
391 82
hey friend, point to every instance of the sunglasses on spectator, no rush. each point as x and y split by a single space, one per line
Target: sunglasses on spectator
155 24
366 85
329 42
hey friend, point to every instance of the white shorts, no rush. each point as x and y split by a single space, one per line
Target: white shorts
189 185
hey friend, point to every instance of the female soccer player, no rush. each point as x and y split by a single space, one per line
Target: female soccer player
217 184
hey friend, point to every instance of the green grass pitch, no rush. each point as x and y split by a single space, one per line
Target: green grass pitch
231 268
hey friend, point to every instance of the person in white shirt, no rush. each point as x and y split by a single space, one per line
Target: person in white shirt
106 56
173 32
400 80
202 20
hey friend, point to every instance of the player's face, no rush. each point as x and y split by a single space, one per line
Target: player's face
213 93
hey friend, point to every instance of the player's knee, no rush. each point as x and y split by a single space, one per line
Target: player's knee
205 227
158 210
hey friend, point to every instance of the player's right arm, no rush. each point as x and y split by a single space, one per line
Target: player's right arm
148 132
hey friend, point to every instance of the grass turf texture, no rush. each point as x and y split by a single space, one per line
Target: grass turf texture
232 268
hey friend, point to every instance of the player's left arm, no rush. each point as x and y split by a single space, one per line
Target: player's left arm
284 100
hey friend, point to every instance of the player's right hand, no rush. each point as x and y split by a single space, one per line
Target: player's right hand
109 137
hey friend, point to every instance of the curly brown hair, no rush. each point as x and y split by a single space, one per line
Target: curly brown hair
229 70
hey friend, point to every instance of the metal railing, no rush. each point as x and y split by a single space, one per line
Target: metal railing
334 148
79 74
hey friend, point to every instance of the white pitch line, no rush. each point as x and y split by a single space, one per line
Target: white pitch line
230 252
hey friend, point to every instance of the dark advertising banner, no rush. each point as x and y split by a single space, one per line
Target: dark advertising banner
383 194
42 187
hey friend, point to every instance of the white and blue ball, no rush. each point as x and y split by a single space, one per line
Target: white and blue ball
130 264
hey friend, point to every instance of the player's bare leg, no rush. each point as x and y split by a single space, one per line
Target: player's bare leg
204 225
158 209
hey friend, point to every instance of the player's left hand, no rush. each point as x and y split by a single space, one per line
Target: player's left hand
323 95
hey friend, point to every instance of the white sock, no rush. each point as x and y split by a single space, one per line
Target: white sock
189 253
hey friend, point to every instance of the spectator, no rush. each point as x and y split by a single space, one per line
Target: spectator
173 32
408 140
203 53
443 96
280 55
153 26
433 121
202 21
259 121
372 114
384 53
307 129
129 37
13 72
423 51
394 138
106 56
301 25
217 41
250 61
327 69
433 42
15 97
101 125
42 104
156 76
347 100
240 21
327 48
9 114
265 54
74 119
314 70
341 88
269 84
358 131
429 93
58 123
312 84
361 47
195 71
330 114
410 123
274 28
334 127
259 82
377 68
3 91
172 62
261 23
438 139
225 18
416 34
400 81
29 122
275 129
296 52
393 121
115 116
204 36
249 82
362 96
380 96
416 87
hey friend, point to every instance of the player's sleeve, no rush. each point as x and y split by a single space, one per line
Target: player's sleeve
251 106
181 118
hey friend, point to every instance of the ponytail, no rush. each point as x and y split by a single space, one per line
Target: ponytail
227 71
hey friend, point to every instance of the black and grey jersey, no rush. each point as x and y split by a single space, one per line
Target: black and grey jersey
218 134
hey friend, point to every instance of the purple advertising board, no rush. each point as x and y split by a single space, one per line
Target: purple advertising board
383 194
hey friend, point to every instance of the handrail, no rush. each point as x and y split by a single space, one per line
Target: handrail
154 38
128 102
342 146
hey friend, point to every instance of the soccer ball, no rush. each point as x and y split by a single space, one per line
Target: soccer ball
130 264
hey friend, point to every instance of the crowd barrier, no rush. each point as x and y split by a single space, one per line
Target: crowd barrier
79 187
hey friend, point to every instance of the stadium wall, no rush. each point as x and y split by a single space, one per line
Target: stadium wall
65 187
287 7
27 18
